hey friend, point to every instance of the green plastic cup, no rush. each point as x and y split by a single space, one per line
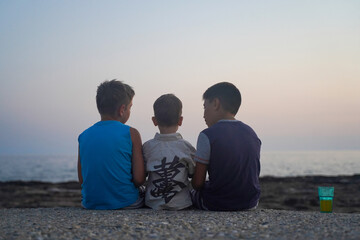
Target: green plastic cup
326 196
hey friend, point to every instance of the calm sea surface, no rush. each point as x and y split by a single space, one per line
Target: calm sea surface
63 168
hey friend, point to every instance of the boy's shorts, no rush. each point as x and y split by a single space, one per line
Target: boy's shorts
140 202
199 203
197 200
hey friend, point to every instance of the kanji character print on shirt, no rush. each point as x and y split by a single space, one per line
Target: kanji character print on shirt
165 187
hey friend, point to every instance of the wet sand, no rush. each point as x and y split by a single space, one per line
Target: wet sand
288 193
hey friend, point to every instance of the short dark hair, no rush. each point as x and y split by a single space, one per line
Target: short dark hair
167 110
228 95
111 95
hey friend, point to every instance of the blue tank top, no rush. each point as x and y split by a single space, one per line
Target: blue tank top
106 155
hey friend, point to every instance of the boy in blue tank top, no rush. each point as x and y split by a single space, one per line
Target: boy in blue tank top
229 151
110 162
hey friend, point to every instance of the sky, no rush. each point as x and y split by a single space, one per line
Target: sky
296 64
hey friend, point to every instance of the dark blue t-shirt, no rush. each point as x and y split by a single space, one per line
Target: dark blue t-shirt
233 166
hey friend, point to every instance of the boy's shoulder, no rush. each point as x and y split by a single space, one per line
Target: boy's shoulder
89 129
105 127
164 140
222 124
229 127
110 123
148 143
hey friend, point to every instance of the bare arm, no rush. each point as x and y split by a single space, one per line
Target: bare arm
79 169
198 179
138 168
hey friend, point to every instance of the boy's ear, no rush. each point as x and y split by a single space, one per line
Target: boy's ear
154 121
216 103
180 121
121 110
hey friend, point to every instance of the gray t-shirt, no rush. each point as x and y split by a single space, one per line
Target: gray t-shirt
169 162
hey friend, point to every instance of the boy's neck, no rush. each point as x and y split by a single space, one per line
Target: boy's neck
168 130
226 116
110 118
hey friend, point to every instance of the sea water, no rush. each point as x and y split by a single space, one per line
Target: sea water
279 164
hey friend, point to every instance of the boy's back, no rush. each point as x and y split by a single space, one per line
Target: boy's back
233 167
168 160
106 149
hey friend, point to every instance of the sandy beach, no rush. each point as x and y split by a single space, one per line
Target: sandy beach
289 209
77 223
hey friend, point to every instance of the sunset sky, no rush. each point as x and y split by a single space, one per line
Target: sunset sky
296 64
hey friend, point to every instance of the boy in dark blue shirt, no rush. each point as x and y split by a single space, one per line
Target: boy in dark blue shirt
229 151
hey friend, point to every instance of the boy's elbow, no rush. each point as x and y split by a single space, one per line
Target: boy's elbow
139 181
196 185
80 179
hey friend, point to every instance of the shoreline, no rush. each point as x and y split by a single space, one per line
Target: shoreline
278 193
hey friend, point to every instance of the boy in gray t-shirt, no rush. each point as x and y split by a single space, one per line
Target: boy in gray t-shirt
168 158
